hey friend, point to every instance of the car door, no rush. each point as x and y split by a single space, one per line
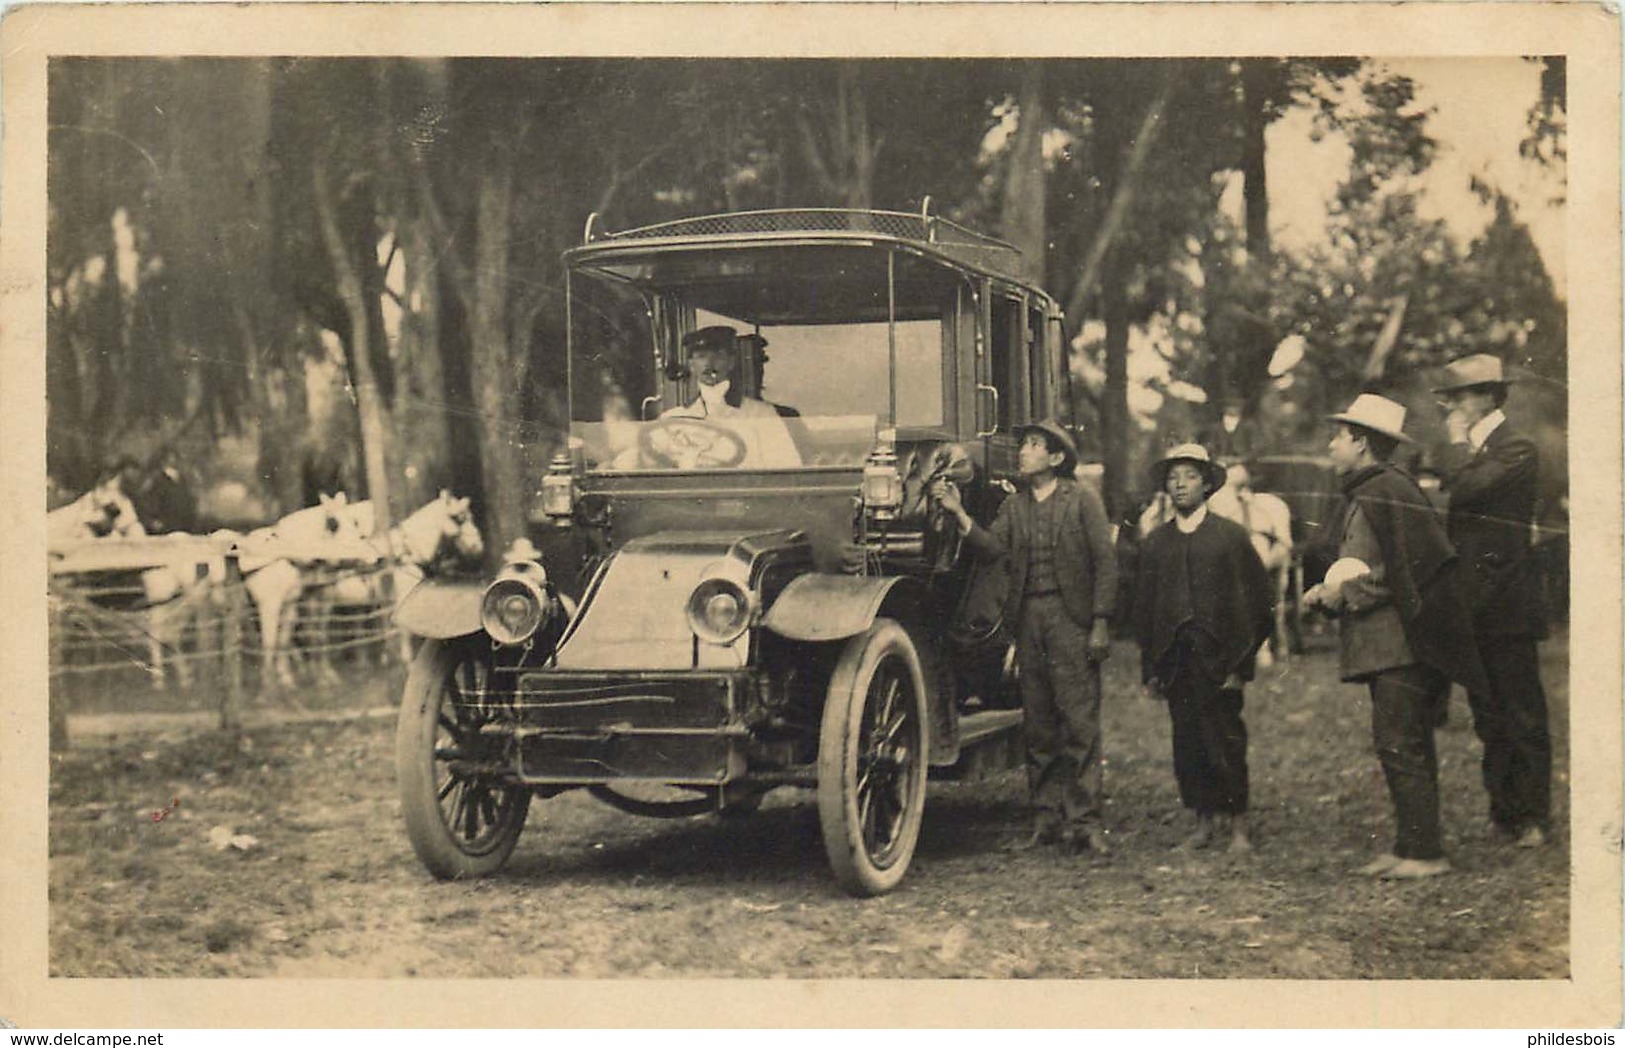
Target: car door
1004 387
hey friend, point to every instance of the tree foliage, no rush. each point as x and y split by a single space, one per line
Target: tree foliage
217 226
1384 263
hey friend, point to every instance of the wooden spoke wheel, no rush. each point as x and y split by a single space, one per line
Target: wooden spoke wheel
872 759
462 817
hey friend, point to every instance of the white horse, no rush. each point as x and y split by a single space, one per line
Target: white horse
102 512
317 560
440 535
275 562
1268 521
164 579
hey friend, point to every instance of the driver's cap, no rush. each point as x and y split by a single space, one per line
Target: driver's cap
715 337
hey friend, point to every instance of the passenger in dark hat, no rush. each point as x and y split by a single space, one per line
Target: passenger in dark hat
1063 581
1492 477
1203 607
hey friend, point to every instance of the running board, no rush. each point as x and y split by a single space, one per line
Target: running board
990 742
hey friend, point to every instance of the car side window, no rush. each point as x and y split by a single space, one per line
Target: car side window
1039 365
1007 360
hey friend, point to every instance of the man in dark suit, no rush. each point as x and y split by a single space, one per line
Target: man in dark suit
1492 476
1063 582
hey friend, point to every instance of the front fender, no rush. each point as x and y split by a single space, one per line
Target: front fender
833 607
441 609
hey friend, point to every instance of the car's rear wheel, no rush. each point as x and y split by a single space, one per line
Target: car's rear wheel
872 759
463 820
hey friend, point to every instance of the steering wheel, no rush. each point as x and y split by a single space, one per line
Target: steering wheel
690 443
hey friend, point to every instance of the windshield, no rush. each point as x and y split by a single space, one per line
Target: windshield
731 394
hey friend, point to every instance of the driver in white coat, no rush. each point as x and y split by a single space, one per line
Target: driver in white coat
713 360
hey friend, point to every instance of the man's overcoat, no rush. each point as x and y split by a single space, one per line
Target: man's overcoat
1212 579
1492 506
1421 571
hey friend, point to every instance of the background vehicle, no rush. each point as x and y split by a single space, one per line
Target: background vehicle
740 597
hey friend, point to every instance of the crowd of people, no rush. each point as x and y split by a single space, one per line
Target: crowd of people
1423 599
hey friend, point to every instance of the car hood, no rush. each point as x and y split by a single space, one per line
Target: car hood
633 616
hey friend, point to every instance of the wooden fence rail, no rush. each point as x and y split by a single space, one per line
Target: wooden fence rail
106 623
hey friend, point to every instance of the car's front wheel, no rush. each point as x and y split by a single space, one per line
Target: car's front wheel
872 759
462 818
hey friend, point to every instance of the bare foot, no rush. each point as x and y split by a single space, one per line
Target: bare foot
1531 837
1415 869
1202 837
1378 866
1240 842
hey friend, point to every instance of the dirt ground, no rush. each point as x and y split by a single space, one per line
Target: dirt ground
286 856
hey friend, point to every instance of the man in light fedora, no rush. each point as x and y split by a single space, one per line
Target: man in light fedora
1063 583
1404 623
1203 605
1492 475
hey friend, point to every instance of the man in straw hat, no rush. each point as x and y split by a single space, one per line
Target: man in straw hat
1063 582
1492 475
1405 630
1203 606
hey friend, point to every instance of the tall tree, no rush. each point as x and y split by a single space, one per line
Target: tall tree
335 190
1117 114
1023 207
839 146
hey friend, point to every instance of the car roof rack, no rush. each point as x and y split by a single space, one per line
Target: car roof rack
921 228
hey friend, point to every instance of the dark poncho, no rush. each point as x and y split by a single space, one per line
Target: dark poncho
1210 579
1421 568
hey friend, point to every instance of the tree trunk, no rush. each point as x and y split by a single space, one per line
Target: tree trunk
1258 342
1106 265
273 342
1219 331
496 398
1124 182
277 400
1022 210
421 428
1255 190
864 150
369 405
842 159
1114 418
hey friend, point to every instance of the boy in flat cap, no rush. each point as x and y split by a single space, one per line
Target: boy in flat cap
1203 606
1063 582
1493 478
1404 624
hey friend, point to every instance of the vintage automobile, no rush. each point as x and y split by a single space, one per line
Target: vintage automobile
739 586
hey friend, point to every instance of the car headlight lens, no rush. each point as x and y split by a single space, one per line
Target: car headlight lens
513 609
719 610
